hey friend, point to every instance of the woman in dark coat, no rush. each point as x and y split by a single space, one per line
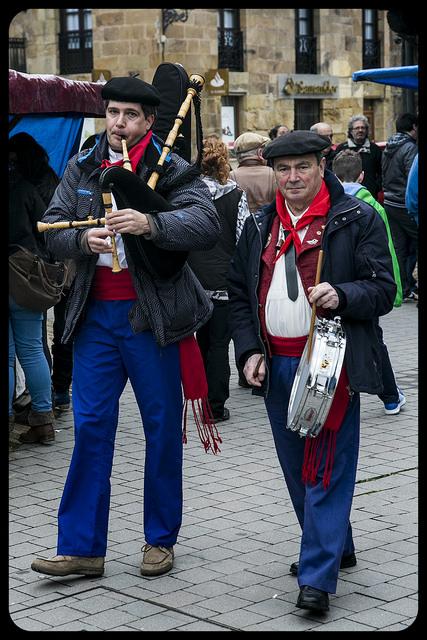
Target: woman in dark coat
211 269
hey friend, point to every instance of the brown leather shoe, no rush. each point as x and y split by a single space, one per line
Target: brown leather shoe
41 428
68 565
44 434
156 560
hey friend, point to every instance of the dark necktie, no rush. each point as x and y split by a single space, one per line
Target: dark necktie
291 270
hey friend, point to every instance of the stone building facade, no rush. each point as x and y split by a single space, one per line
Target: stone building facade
264 91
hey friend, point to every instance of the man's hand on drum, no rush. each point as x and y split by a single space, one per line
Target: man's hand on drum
254 369
323 295
128 221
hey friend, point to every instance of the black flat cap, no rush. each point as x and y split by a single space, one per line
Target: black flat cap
130 89
295 143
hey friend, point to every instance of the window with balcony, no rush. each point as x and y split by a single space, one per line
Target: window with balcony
17 58
230 40
305 42
371 43
75 41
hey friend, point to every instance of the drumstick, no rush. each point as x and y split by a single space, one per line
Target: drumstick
258 364
313 306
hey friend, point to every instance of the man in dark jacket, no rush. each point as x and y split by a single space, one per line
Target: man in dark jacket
271 292
358 140
133 324
325 129
398 156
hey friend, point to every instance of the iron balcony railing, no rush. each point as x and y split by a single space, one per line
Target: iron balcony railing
230 49
17 59
75 51
305 54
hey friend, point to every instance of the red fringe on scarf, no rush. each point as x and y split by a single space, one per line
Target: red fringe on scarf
327 438
205 423
195 388
313 454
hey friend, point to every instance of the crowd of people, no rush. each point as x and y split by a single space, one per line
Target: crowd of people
251 237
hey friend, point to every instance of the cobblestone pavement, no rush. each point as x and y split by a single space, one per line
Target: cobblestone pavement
239 533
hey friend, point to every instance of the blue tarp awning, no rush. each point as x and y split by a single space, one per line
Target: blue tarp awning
58 134
405 77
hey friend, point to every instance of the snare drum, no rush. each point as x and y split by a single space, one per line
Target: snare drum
315 381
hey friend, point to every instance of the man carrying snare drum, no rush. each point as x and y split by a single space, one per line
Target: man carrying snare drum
272 294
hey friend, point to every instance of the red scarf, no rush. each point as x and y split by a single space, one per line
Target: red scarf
195 388
135 154
319 207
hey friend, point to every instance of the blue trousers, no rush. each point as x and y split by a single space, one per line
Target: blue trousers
323 514
106 354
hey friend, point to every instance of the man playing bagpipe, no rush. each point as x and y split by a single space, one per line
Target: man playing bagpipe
132 324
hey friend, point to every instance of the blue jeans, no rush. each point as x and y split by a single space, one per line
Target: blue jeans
25 342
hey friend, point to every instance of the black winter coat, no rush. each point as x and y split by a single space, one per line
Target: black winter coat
397 160
171 308
211 266
356 262
371 165
26 208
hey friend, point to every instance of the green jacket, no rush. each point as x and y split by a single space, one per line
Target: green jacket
363 194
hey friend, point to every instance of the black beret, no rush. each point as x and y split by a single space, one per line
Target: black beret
130 89
295 143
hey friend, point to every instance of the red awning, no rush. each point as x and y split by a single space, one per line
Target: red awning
44 93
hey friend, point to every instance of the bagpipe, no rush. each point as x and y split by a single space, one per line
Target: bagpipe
130 191
178 91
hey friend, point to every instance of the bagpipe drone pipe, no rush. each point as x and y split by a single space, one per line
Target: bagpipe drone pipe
177 91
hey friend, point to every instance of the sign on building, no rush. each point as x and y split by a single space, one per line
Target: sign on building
101 75
300 86
216 82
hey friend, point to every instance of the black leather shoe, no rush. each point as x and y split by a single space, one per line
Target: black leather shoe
346 562
225 416
313 599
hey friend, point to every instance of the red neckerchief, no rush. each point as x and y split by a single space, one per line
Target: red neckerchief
319 207
135 154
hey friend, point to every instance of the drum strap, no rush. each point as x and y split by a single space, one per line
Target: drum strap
291 270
